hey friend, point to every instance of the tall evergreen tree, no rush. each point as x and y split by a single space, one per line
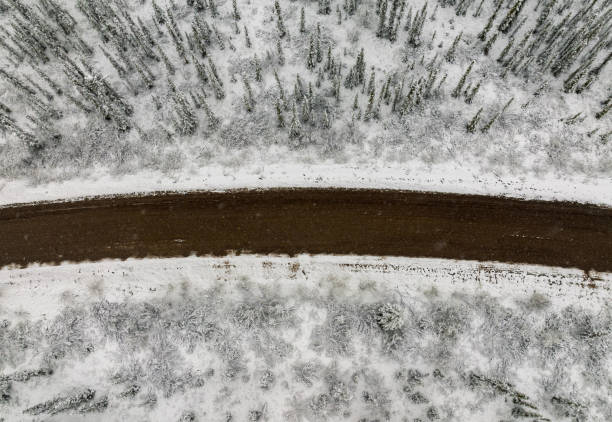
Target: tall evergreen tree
450 54
281 91
213 121
488 125
279 115
235 11
483 34
489 44
282 30
472 94
295 128
471 126
506 24
249 101
246 36
302 21
318 44
458 89
280 53
382 16
311 58
257 65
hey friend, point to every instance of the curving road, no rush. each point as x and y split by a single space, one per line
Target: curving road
292 221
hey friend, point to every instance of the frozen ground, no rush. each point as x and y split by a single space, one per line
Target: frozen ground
446 178
212 122
307 338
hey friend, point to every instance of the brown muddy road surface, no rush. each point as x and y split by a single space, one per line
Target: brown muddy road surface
315 221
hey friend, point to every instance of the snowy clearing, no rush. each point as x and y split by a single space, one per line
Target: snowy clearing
439 178
310 338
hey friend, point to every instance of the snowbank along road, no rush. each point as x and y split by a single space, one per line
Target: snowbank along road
316 221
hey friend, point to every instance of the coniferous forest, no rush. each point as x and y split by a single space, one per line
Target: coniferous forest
498 85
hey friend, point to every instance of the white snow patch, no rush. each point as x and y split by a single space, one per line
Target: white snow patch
445 178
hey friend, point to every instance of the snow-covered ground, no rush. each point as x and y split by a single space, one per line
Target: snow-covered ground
447 178
310 338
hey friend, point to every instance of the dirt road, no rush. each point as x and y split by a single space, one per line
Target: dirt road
291 221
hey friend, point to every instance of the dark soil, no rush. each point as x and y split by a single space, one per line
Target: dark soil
315 221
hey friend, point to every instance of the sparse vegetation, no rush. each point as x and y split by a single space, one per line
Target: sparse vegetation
329 349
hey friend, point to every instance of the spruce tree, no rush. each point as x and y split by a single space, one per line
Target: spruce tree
450 54
382 16
279 115
328 63
570 83
213 121
186 122
457 92
201 71
372 82
478 9
396 98
218 88
471 126
606 107
506 50
218 37
302 21
472 94
408 24
280 53
370 109
146 33
295 128
311 58
173 24
236 13
180 49
487 126
489 44
246 35
483 34
5 109
305 115
120 69
200 37
249 101
416 29
320 78
213 69
17 83
196 101
318 44
326 120
281 91
280 25
298 89
258 76
511 16
159 15
593 74
391 20
337 88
